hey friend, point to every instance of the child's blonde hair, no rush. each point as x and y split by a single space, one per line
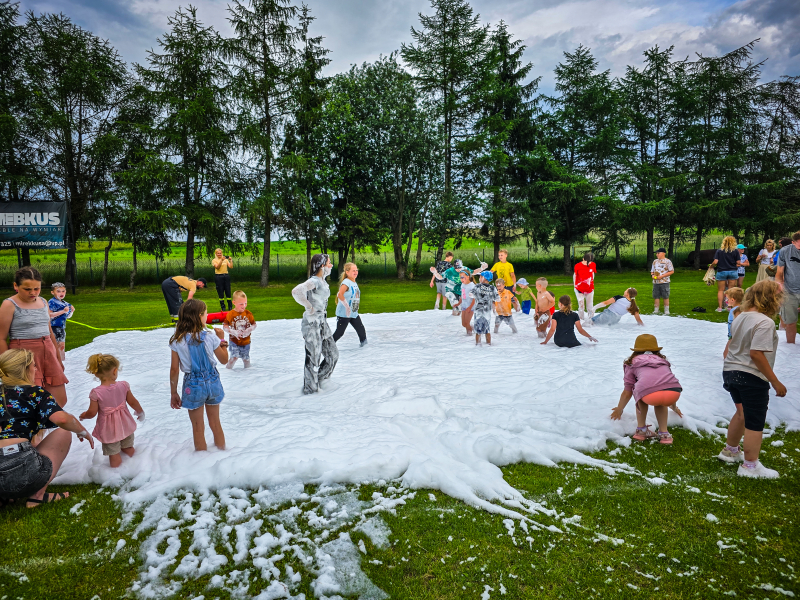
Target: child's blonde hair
347 266
238 294
566 302
765 296
499 281
100 364
542 280
190 321
735 293
14 366
502 251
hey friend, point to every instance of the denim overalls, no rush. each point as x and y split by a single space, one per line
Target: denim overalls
202 385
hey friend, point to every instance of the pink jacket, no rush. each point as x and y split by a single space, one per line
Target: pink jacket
648 373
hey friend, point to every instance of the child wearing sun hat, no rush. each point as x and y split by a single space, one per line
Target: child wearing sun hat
649 380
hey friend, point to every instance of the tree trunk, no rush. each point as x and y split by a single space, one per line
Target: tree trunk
133 272
26 256
617 255
671 248
105 263
265 257
308 253
650 245
567 260
440 249
420 236
698 241
189 264
496 232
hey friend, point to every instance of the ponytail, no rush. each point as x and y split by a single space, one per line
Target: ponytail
633 308
345 269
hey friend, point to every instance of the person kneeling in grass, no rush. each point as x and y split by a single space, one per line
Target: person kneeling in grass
747 373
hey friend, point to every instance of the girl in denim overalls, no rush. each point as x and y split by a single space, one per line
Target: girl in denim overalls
194 350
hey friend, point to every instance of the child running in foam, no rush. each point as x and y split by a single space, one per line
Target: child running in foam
452 284
239 324
617 307
467 301
563 326
502 307
525 295
649 380
545 307
110 401
734 296
195 351
485 295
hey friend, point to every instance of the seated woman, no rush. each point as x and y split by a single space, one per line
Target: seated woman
565 321
25 408
617 307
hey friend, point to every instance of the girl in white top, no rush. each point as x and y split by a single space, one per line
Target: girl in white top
347 302
764 260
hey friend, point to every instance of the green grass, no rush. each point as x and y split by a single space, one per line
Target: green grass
50 552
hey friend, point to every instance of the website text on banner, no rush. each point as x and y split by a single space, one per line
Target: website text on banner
32 224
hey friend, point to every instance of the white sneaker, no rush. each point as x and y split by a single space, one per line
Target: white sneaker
436 305
719 309
759 472
731 457
666 311
655 311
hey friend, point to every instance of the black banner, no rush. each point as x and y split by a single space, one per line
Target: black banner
32 224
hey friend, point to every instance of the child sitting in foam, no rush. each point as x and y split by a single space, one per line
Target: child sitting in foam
649 380
502 307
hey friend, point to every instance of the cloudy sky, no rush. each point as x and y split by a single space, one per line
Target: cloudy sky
617 31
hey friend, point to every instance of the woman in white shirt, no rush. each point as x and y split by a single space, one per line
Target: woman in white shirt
764 260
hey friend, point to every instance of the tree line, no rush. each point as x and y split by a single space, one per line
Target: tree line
226 139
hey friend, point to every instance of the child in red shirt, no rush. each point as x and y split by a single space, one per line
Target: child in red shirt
583 280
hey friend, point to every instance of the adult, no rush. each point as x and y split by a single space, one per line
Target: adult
25 323
726 261
348 300
764 261
172 288
583 282
321 350
743 262
788 276
222 280
661 270
26 408
441 266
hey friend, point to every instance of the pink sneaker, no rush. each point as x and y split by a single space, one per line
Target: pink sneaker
643 434
664 437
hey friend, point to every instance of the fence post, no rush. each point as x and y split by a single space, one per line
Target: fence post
91 272
158 276
384 263
278 260
484 255
634 252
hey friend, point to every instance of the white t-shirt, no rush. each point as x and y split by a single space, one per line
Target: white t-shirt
211 342
621 306
466 297
766 257
751 331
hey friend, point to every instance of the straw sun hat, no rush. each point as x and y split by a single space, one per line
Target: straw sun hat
646 342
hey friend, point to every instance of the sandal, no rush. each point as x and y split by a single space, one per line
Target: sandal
643 433
664 437
48 497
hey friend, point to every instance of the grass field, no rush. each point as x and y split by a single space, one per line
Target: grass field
698 531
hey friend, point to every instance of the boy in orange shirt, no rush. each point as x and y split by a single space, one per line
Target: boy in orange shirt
239 324
503 307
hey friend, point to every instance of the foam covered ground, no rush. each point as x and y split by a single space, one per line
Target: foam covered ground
420 403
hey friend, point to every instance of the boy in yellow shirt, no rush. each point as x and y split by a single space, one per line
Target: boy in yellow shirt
505 270
503 307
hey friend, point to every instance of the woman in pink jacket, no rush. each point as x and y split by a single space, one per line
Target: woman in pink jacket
649 380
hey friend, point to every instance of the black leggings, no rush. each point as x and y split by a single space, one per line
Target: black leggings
343 322
223 283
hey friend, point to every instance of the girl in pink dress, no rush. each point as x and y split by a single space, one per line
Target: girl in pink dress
110 400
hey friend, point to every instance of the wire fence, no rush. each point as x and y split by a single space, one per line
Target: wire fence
292 267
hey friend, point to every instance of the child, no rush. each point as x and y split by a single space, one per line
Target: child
485 295
60 311
239 324
563 325
115 426
661 270
649 380
735 296
467 301
583 282
503 307
348 301
441 267
747 373
617 307
545 307
525 295
505 270
193 352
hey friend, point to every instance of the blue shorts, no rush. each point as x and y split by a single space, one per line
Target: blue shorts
727 275
236 351
526 307
199 390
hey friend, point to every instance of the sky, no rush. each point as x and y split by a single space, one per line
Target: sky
617 31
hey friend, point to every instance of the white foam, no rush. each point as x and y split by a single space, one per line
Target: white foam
420 403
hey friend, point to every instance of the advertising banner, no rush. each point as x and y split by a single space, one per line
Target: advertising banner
32 224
